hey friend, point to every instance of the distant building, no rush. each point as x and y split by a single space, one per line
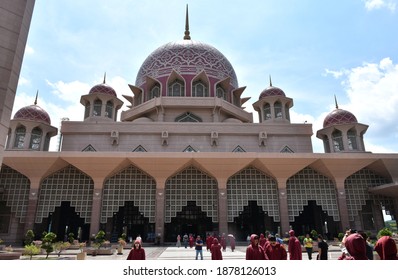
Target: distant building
187 158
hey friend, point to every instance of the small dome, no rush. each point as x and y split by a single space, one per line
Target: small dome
272 91
102 89
339 116
33 113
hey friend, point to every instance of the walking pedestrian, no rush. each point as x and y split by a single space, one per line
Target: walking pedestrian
254 251
191 240
262 240
223 242
232 242
323 248
386 248
185 240
198 247
356 248
308 245
178 241
137 252
209 241
215 250
275 250
294 247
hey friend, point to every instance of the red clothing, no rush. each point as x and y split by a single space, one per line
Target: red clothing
277 252
386 248
216 250
356 247
136 253
294 247
209 242
223 242
191 241
262 240
254 251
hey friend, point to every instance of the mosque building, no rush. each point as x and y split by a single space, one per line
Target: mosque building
186 157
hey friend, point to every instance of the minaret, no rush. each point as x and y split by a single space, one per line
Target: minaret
187 36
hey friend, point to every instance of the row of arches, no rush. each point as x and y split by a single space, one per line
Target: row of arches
28 138
348 140
128 200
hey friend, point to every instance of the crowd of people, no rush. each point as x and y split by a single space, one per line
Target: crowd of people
354 245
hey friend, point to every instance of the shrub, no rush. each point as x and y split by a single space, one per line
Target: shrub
31 250
384 232
48 243
61 246
29 237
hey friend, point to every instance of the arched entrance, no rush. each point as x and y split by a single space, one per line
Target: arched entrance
252 220
63 221
190 220
132 222
314 218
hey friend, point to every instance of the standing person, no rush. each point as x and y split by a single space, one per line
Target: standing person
294 247
209 241
223 242
191 240
323 248
178 241
137 252
262 240
185 240
215 250
254 251
275 250
356 248
198 247
386 248
308 245
232 242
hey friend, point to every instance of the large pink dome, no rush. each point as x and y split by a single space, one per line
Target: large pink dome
33 113
186 57
339 116
102 89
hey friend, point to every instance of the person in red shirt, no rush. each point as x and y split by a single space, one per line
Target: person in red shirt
254 251
294 247
191 241
386 248
137 252
209 241
216 250
262 240
274 250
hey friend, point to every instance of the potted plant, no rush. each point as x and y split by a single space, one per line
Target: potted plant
82 255
121 245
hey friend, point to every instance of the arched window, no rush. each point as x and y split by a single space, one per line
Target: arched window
337 141
287 112
352 140
20 137
326 144
47 143
109 109
176 88
220 92
278 110
87 110
267 111
154 92
97 108
35 139
199 89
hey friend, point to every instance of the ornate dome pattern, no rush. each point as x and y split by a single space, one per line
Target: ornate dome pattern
33 113
272 91
186 57
102 89
339 116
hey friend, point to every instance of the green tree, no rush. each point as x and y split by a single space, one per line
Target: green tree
29 237
48 243
31 250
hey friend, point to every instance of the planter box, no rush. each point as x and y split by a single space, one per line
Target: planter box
10 256
101 251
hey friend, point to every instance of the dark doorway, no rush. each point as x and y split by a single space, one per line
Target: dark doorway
314 218
131 221
252 220
63 221
190 220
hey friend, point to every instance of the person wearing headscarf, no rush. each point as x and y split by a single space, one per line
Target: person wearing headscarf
275 250
254 251
386 248
262 240
209 241
137 252
356 248
215 250
232 242
294 247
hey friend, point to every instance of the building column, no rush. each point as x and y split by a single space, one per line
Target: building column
283 206
96 208
222 206
342 204
159 208
32 203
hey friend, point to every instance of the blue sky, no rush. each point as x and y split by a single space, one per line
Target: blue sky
312 49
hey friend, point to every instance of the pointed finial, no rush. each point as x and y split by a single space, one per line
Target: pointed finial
187 37
104 78
270 81
335 101
37 93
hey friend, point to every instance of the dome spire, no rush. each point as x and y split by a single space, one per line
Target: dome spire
335 101
187 36
270 81
37 93
104 78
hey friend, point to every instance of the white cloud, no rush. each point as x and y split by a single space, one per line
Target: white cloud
29 50
335 74
22 81
379 4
